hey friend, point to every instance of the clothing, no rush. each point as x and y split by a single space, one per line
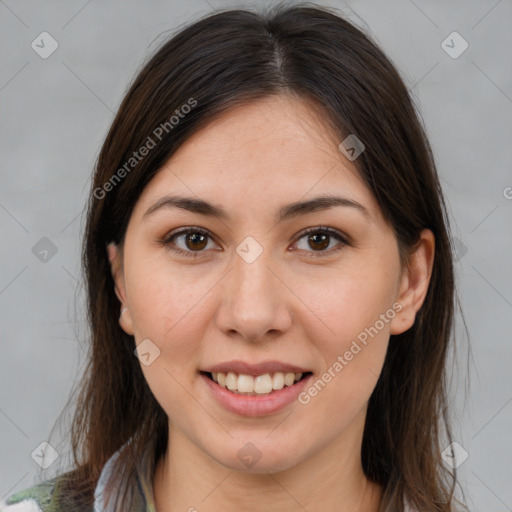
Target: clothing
45 497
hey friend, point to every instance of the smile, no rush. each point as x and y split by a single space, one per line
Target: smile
264 399
249 385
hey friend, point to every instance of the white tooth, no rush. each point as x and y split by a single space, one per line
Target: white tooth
231 381
289 378
278 380
214 376
263 383
246 383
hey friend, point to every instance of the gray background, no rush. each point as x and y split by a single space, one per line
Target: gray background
55 113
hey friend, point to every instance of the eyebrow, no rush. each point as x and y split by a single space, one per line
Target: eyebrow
289 211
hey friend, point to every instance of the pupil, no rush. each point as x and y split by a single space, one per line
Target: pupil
198 240
324 240
194 238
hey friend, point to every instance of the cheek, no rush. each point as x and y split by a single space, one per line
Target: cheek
168 307
162 298
344 303
350 328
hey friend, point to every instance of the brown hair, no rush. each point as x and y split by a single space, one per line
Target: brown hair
221 61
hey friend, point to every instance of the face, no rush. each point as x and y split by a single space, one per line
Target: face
316 290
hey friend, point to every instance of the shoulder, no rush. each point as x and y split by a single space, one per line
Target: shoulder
38 498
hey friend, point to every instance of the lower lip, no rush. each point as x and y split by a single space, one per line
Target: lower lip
247 405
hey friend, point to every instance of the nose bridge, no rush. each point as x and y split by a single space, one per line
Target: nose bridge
251 266
252 280
252 304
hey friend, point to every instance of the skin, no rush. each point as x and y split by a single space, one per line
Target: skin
287 305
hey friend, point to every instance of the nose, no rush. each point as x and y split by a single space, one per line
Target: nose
255 303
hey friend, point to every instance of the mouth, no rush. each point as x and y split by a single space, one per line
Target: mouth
259 385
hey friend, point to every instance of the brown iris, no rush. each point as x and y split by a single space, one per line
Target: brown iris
321 240
198 241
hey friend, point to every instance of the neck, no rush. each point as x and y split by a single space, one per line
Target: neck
186 478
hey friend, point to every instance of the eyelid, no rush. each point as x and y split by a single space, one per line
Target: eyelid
186 229
342 238
166 240
332 232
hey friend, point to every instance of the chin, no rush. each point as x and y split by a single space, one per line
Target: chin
259 456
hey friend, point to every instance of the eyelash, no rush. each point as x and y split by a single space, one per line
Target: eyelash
166 241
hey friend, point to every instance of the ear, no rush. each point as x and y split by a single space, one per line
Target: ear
414 282
115 258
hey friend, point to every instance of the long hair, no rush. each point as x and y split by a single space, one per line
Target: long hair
227 59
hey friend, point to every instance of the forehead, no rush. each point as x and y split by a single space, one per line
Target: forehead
262 154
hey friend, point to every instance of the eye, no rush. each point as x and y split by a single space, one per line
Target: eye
193 241
320 238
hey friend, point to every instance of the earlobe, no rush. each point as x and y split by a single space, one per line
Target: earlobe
125 321
415 282
115 257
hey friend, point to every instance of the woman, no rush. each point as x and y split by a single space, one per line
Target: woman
270 283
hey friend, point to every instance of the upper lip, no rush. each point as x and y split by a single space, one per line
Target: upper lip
254 369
